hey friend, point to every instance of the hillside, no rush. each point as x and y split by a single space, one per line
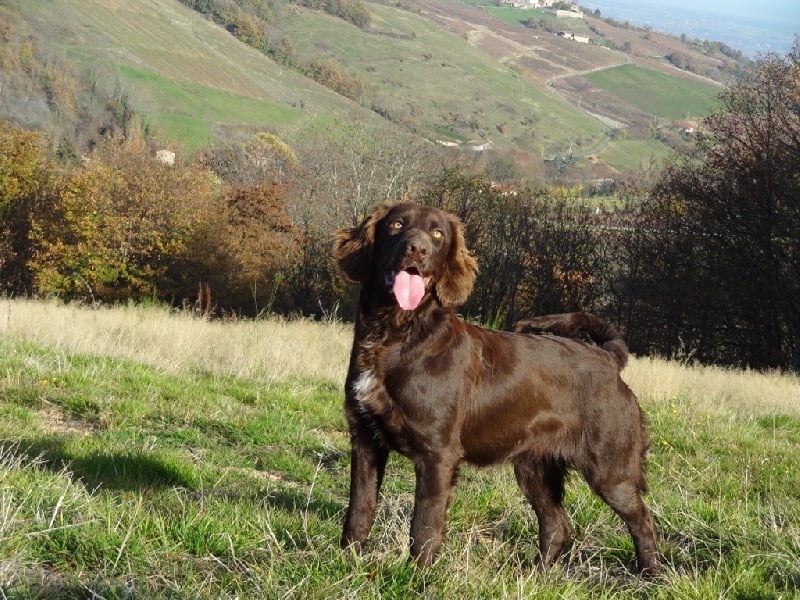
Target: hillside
189 76
443 70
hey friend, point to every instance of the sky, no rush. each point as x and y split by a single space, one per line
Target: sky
752 27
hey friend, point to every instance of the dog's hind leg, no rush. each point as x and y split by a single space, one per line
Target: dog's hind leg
542 482
625 498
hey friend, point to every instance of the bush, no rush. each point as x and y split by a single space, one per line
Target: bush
114 226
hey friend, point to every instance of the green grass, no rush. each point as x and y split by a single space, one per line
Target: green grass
632 155
657 93
517 16
186 111
155 478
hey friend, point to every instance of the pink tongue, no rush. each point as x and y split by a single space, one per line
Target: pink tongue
408 290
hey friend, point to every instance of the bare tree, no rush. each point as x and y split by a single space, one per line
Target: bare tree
726 223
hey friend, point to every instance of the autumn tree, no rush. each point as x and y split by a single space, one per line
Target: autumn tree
23 180
259 246
536 252
262 157
118 223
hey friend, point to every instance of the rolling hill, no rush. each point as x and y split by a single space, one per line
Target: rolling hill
443 70
189 76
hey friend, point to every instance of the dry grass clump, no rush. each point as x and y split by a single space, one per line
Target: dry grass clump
715 390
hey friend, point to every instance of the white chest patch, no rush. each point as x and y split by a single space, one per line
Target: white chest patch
365 387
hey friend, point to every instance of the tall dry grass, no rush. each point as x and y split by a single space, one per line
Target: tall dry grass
275 349
270 349
714 390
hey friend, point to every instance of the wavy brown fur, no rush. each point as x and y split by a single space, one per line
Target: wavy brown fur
573 324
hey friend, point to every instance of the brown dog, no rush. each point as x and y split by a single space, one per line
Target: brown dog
424 383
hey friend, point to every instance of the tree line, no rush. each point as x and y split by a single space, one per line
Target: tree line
703 260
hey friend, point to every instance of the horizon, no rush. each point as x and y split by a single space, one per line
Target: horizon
737 23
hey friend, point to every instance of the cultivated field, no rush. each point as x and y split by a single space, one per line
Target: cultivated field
656 93
145 453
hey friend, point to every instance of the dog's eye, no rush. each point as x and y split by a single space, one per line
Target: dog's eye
437 234
396 224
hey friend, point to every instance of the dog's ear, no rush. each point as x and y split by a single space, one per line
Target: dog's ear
353 248
458 275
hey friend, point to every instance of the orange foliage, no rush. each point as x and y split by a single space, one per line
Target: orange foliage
118 223
256 243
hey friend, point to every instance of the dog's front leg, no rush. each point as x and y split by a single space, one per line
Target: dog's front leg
367 466
435 476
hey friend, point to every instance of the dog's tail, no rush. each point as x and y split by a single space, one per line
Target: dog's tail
608 337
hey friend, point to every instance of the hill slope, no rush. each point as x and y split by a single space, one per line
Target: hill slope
188 75
440 69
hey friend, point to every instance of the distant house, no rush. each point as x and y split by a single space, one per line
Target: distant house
569 35
603 185
574 13
530 3
166 157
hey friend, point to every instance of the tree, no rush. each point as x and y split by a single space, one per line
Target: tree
115 226
23 169
340 178
735 209
263 157
260 245
536 251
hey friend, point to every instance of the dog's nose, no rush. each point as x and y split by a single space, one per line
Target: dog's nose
416 248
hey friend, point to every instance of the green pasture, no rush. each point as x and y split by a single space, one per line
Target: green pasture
172 476
629 155
657 93
186 112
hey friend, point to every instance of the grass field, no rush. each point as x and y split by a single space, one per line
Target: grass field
512 15
632 155
187 112
145 453
657 93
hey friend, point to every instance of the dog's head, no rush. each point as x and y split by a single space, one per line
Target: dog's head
408 252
